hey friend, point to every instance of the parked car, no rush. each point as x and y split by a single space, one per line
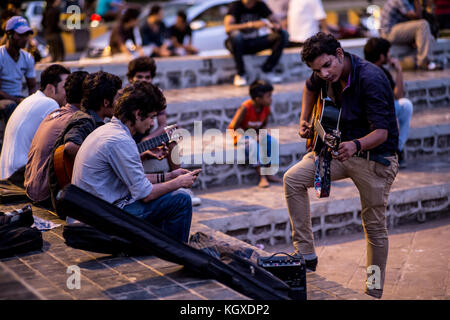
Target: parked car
33 11
205 18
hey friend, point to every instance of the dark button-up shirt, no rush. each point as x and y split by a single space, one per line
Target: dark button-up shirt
79 126
367 103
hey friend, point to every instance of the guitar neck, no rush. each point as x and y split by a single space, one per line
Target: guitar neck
153 142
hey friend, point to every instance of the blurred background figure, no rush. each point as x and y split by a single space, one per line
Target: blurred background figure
280 10
109 10
402 23
442 13
252 27
52 30
8 10
181 36
125 36
377 51
305 18
15 64
154 33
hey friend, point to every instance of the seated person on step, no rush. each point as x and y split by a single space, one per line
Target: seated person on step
251 28
377 51
181 36
36 169
144 69
253 114
98 92
109 166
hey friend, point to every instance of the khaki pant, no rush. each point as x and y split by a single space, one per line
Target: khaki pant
373 181
416 31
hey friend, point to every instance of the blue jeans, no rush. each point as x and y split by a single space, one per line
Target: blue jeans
404 111
171 212
257 155
238 46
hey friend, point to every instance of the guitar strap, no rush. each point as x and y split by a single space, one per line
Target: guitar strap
322 176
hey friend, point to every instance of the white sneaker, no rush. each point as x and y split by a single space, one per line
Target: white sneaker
239 81
196 201
272 77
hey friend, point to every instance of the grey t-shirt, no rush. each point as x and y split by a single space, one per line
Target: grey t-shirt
12 72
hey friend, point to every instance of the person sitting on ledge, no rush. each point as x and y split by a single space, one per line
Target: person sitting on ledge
251 28
108 165
253 114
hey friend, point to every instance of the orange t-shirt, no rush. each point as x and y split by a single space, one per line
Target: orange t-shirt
253 119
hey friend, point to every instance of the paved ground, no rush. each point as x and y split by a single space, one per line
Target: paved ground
418 264
44 275
419 257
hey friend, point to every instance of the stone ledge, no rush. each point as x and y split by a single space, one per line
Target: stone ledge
427 141
215 106
197 71
260 216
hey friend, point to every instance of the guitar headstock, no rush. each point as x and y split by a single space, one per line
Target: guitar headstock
172 133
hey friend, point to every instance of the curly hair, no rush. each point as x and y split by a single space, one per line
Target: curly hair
319 44
141 64
142 96
98 86
74 86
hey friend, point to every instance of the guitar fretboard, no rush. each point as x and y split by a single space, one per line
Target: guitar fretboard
153 142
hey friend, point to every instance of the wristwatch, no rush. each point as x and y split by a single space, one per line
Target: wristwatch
358 145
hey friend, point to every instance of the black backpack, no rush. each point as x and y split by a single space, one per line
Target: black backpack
15 240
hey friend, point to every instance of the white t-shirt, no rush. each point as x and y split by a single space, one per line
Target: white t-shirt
20 130
12 72
303 19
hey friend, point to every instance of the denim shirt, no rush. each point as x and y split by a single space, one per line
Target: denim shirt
108 166
367 103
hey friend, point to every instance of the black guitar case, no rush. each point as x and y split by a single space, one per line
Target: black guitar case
246 278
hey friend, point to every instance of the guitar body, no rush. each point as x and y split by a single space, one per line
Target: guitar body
312 144
63 167
328 115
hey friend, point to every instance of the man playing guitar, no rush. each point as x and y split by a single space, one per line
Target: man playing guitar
366 154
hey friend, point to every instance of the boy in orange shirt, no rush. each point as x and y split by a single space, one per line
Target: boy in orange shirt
253 114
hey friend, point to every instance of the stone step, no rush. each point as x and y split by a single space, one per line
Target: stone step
420 192
199 71
214 152
216 105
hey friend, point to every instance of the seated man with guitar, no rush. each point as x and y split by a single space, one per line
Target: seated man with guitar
364 150
108 165
144 69
98 92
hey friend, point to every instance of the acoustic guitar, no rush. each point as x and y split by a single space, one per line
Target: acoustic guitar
325 124
64 165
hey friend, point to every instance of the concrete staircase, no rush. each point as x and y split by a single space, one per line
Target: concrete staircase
198 90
